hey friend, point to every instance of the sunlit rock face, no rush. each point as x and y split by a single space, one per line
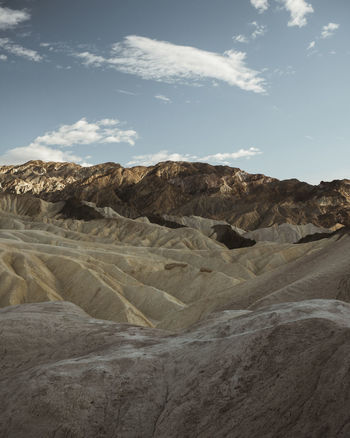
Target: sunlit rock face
184 189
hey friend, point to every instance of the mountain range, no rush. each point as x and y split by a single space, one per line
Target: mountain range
177 300
224 193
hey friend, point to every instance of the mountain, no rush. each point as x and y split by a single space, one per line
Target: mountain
178 300
244 200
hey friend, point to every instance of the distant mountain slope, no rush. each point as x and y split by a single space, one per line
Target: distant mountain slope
184 189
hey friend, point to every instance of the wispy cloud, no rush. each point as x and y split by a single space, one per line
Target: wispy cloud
227 157
257 31
91 59
149 159
166 62
260 5
289 70
218 158
10 18
241 39
14 49
51 145
298 10
329 30
162 98
128 93
3 58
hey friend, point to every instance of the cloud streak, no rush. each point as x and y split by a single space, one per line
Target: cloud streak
218 158
258 31
162 98
10 18
166 62
14 49
51 145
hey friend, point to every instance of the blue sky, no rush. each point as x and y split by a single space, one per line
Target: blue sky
256 84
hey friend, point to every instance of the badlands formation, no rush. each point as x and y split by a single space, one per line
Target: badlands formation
179 300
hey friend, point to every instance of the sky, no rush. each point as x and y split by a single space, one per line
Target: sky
262 85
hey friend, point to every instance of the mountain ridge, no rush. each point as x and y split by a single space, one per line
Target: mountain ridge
247 201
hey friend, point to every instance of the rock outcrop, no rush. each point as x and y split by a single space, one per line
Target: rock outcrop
281 371
184 189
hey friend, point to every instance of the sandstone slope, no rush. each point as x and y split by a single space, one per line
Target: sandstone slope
124 270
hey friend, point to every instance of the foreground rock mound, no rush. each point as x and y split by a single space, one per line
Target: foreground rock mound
184 189
281 371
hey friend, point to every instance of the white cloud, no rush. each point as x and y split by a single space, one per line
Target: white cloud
259 30
298 10
83 132
38 152
329 30
167 62
163 98
241 39
260 5
225 158
10 18
311 45
3 58
164 155
91 59
149 159
17 50
48 146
